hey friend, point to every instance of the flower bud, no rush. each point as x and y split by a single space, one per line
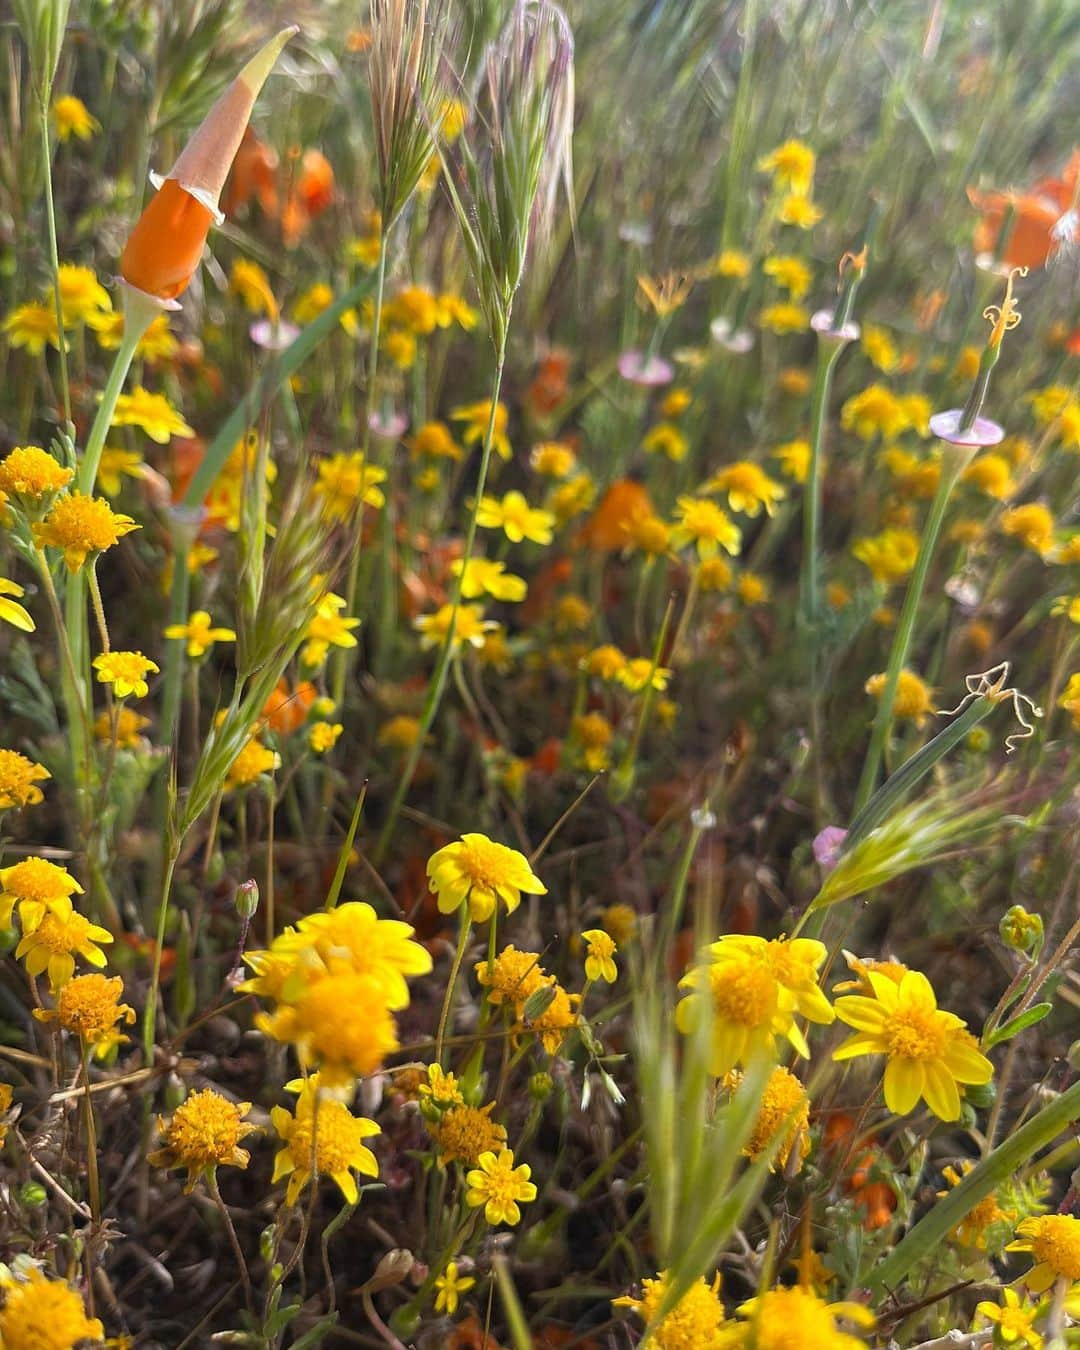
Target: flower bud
1021 931
541 1086
247 898
33 1194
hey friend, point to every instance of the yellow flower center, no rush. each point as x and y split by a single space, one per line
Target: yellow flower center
45 1315
467 1131
339 1135
89 1005
205 1130
915 1033
62 935
18 779
1057 1244
36 879
743 992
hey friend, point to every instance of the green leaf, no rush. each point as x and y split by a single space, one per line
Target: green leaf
1033 1015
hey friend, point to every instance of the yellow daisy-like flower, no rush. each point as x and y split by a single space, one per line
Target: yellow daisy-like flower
89 1006
1032 525
250 764
83 299
199 633
81 525
516 518
972 1229
784 1111
913 695
992 474
470 627
338 1021
591 735
749 488
13 613
434 440
928 1051
32 326
116 465
19 778
879 348
890 555
72 118
449 1287
401 732
861 966
1013 1318
475 417
513 977
346 482
248 280
553 459
702 523
128 730
639 674
44 1314
478 870
875 411
463 1133
600 955
792 274
35 885
795 962
696 1322
785 317
551 1024
55 942
125 672
485 576
441 1088
791 166
152 413
782 1318
32 473
328 628
1054 1243
330 1136
798 210
323 736
732 262
666 439
204 1134
499 1187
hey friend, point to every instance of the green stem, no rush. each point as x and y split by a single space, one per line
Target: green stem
93 1182
54 258
455 970
150 1012
952 465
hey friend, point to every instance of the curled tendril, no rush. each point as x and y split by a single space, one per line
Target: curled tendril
849 259
1004 316
991 684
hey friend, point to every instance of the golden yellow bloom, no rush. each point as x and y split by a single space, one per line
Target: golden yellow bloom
81 525
199 633
340 1022
992 474
1070 699
252 285
1054 1243
32 473
454 309
43 1314
116 465
500 1187
32 326
400 732
552 459
330 1136
71 118
928 1051
879 348
748 488
606 662
861 966
10 611
732 262
794 381
591 735
516 518
797 209
696 1322
917 409
204 1134
327 629
621 921
400 347
464 1133
478 870
323 736
83 299
794 457
152 413
449 1287
19 778
89 1006
475 417
1032 525
666 439
784 317
790 273
714 574
912 699
311 304
785 1108
600 956
434 439
649 534
441 1089
876 411
126 672
702 523
676 401
972 1228
35 885
752 589
485 576
250 764
345 482
55 942
666 293
552 1023
513 977
890 555
795 1316
638 674
470 626
791 166
1014 1319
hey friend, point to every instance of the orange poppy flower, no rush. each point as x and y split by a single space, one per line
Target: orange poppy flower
548 386
1034 215
283 711
608 528
310 195
253 175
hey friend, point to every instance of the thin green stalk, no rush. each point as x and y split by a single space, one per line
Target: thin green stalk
150 1011
54 258
93 1182
451 984
437 683
951 468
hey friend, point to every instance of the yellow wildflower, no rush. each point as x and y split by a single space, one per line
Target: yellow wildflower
702 523
499 1187
992 474
972 1229
696 1322
784 1317
32 326
790 273
58 939
81 525
199 633
516 518
449 1286
19 778
784 317
485 576
463 1133
513 977
152 413
890 555
441 1089
434 439
35 885
116 465
481 871
638 674
203 1135
1054 1243
251 763
600 956
401 732
1032 525
732 262
327 629
591 734
339 1021
794 457
71 118
1070 699
475 417
89 1006
797 209
876 411
324 1139
791 166
553 459
470 626
32 473
44 1314
10 611
666 439
323 736
346 481
1014 1319
912 699
748 488
784 1110
83 299
126 672
252 285
879 348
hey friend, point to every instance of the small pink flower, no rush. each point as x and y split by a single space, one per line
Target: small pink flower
389 425
827 846
649 372
946 427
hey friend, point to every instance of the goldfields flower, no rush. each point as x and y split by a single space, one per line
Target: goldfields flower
449 1287
199 633
478 870
784 317
128 729
702 523
339 1022
89 1006
81 525
464 1133
434 440
972 1229
475 417
785 1111
553 1021
650 535
600 956
35 885
513 977
251 763
71 118
32 474
441 1089
605 662
1032 524
470 626
1054 1243
346 482
798 210
861 966
44 1314
639 674
32 326
748 488
552 459
749 1008
591 735
125 672
786 1317
792 274
1070 699
991 473
791 166
500 1187
732 262
203 1135
19 778
485 576
13 613
328 628
794 381
912 700
57 939
400 732
890 555
116 465
1014 1319
152 413
752 589
323 736
696 1322
330 1136
879 348
795 963
666 439
621 921
928 1051
83 299
876 411
248 280
516 518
